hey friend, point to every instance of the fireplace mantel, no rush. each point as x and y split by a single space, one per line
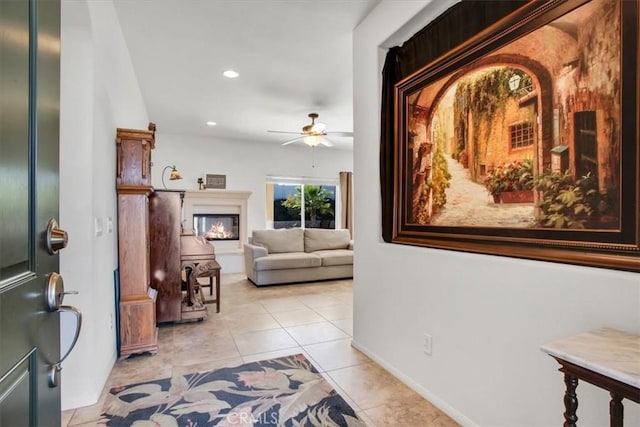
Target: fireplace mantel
212 201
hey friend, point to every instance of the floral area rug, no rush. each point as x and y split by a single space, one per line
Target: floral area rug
287 391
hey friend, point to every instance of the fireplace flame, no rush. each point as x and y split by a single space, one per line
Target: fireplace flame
217 232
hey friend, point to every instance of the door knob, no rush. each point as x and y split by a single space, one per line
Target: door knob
57 238
54 294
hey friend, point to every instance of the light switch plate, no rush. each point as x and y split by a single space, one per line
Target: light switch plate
98 226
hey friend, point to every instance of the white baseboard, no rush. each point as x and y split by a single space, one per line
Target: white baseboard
435 400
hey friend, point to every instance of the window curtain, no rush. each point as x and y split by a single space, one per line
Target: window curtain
457 24
346 201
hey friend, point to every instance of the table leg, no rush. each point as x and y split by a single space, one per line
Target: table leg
616 410
570 401
217 291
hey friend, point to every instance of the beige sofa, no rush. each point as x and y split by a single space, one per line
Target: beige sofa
298 255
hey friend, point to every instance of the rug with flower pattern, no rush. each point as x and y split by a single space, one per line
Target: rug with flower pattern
287 391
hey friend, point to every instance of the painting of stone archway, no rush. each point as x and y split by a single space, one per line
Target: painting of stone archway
526 138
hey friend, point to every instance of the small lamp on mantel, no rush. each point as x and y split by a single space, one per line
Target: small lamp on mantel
175 174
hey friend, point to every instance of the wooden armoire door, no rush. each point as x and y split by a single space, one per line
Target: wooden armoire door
165 215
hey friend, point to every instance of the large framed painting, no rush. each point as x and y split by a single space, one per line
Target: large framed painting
523 141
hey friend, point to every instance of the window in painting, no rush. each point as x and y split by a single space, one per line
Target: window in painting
521 135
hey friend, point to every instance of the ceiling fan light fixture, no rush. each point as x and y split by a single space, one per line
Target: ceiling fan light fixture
312 140
313 134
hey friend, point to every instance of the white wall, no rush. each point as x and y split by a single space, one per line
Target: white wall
99 92
246 166
487 315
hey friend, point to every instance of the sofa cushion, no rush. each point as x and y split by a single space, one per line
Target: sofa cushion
335 257
287 260
281 240
319 239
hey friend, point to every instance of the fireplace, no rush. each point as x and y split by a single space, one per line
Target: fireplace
217 202
217 226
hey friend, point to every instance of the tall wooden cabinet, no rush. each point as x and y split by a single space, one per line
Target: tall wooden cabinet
138 331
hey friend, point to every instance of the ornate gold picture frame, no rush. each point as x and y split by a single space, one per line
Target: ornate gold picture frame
523 141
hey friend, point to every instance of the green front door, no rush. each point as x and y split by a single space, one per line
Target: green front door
29 131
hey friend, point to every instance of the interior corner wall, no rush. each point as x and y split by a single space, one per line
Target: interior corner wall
246 165
487 315
98 93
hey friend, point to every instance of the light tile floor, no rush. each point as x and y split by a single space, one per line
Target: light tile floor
260 323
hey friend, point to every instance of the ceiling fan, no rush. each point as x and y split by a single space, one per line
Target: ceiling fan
313 133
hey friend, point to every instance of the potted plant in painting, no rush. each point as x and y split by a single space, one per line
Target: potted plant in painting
511 182
566 202
493 184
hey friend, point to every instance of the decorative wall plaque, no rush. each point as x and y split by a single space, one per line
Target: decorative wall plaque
216 181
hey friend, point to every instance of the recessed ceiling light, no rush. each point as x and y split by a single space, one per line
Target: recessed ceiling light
211 123
231 74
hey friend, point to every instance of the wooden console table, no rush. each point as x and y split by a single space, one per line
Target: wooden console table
606 358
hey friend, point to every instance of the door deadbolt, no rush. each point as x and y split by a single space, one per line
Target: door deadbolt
57 238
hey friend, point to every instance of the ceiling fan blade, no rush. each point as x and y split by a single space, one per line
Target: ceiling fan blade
291 141
326 142
340 133
282 131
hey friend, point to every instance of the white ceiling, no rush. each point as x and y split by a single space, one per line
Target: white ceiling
294 57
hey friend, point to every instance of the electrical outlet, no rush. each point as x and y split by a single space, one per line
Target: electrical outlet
427 344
